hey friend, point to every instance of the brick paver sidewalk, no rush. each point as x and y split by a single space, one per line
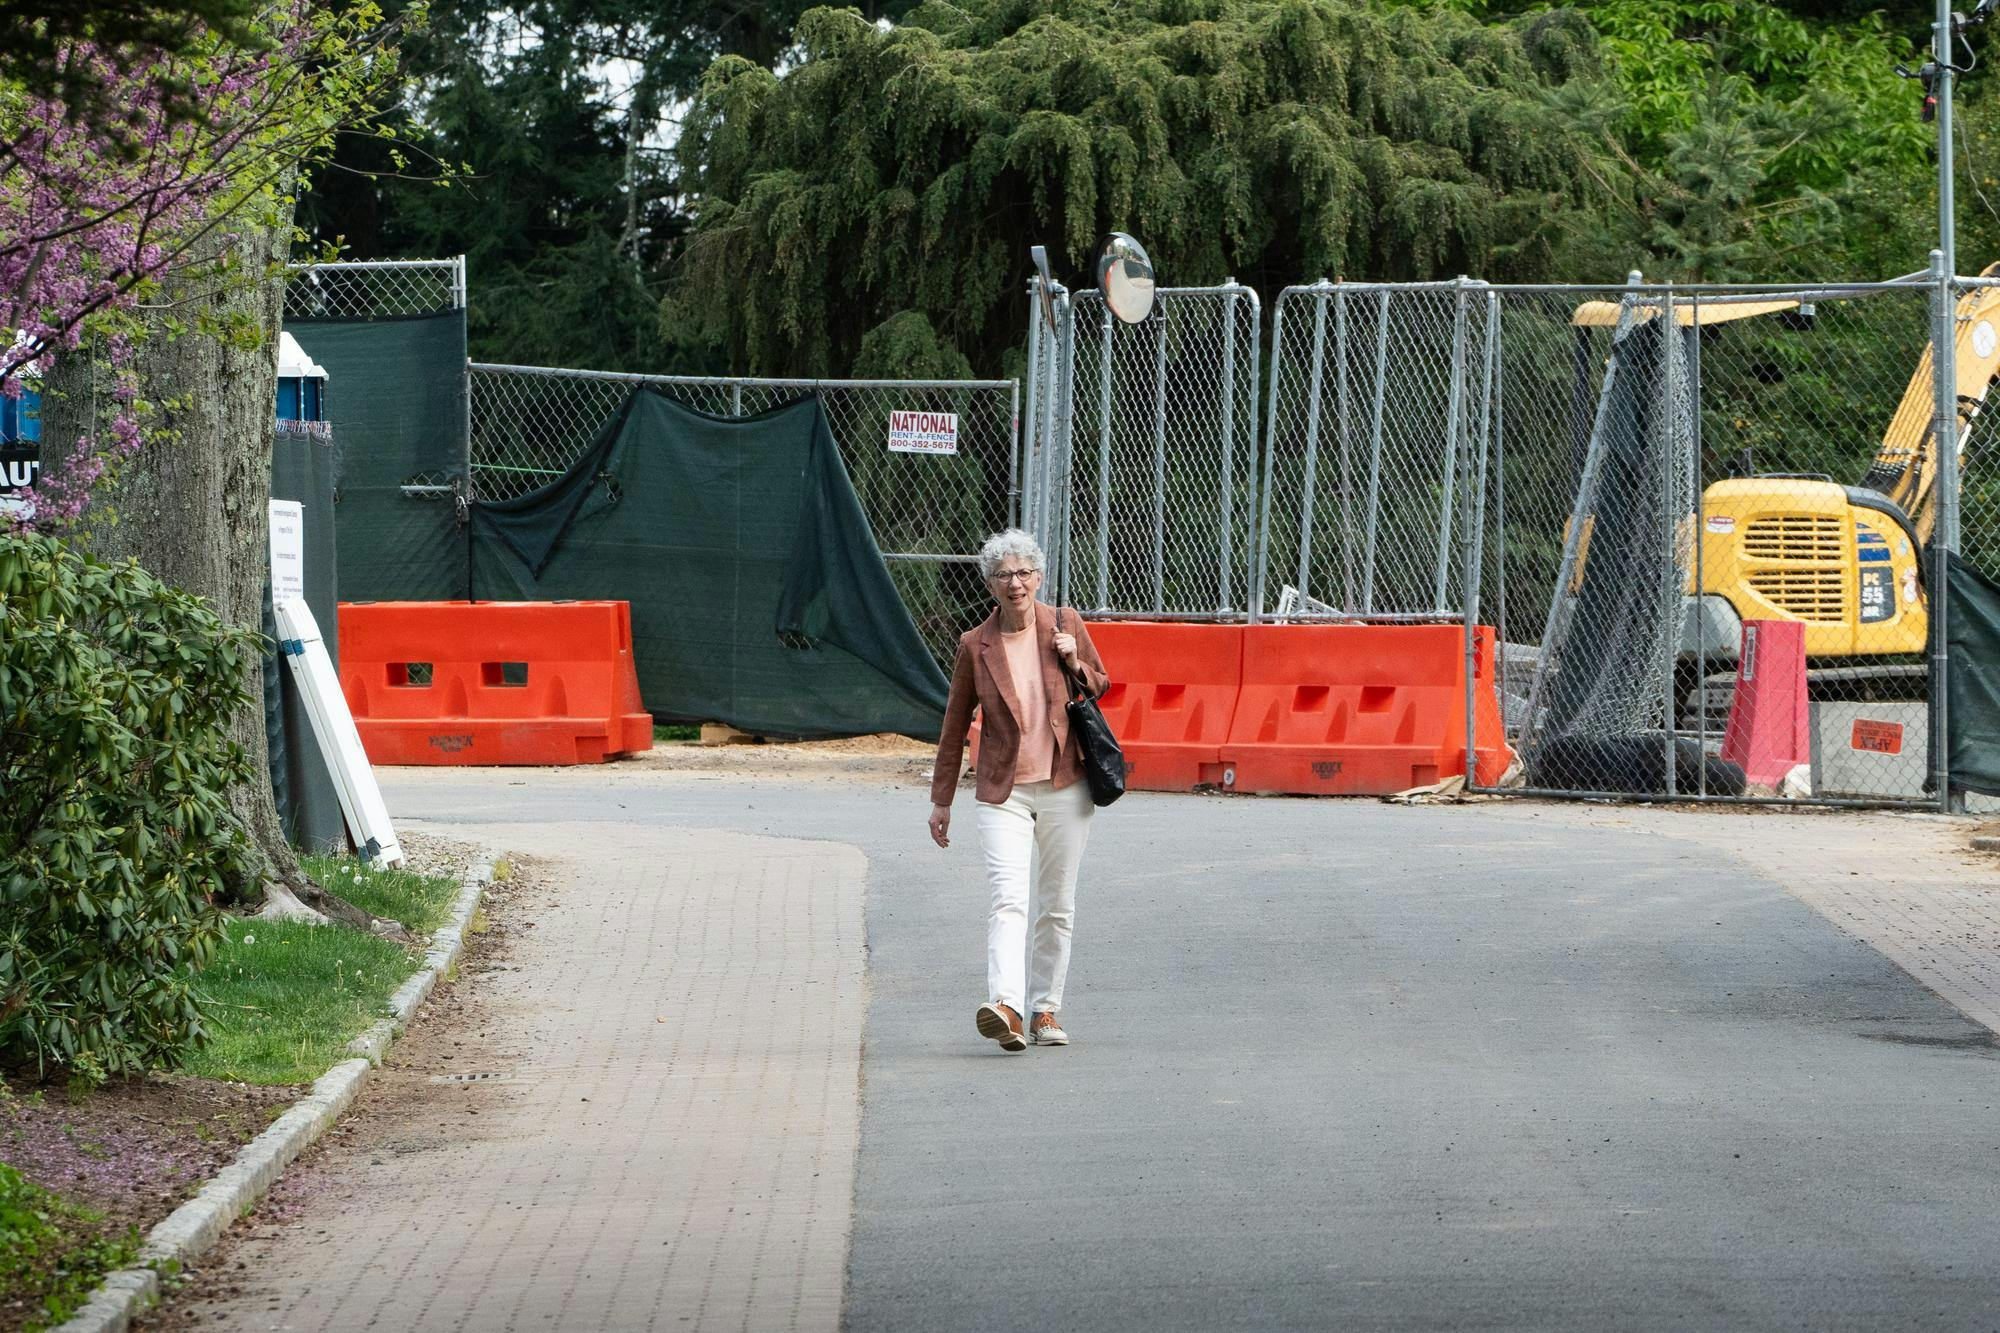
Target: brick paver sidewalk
675 1145
1907 885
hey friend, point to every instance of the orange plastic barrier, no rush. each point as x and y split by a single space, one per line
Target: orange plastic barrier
1360 710
1769 732
1172 696
492 682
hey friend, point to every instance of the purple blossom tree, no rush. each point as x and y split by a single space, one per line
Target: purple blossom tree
145 222
116 177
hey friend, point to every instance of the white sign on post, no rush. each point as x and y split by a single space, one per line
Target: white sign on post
288 549
923 432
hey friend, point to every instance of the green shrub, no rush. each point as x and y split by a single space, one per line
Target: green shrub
115 829
52 1252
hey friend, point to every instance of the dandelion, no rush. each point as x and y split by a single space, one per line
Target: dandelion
249 939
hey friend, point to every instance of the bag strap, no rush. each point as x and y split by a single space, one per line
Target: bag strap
1077 688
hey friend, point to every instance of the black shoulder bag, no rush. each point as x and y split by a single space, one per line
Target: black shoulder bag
1103 761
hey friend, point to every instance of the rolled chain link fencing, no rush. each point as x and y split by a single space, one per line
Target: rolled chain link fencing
1671 463
1612 478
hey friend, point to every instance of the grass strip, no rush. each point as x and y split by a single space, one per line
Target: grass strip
421 902
52 1252
285 997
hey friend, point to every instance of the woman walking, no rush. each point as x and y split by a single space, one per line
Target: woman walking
1034 807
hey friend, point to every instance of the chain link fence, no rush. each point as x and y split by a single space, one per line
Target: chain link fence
1160 454
1376 395
929 511
1617 480
384 289
374 289
1979 458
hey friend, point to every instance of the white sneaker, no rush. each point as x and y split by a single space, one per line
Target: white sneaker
1045 1031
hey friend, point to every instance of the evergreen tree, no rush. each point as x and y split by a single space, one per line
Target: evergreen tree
909 167
560 115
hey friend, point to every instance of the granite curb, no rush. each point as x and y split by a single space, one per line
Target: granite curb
198 1223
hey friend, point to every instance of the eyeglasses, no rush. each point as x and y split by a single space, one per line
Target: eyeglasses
1016 575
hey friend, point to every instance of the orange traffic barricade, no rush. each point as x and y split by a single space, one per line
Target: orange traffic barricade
1360 710
1769 731
492 682
1172 697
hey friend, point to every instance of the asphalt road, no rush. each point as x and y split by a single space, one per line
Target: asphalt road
1343 1064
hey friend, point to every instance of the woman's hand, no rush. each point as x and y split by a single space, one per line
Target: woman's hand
1066 649
941 825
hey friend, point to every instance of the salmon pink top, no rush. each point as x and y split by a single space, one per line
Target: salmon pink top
1035 762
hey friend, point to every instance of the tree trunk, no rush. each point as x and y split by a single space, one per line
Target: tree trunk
192 505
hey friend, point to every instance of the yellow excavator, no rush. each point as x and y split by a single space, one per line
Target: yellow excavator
1845 561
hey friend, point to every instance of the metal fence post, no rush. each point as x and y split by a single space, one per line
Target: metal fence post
1700 529
1058 470
1454 425
1256 337
1104 461
1159 322
1481 441
1014 454
1374 501
1052 387
1228 517
1026 498
1260 535
1343 438
1311 482
1944 540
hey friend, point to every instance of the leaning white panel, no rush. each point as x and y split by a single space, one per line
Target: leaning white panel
333 727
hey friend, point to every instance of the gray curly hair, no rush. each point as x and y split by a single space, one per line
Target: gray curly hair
1012 543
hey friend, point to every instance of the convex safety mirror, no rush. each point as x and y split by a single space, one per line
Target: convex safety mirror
1125 276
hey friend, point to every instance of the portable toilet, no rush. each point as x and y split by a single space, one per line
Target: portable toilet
301 383
21 420
21 442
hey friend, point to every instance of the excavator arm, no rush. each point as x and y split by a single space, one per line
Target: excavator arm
1905 467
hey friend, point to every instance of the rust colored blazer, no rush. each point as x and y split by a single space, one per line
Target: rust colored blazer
980 677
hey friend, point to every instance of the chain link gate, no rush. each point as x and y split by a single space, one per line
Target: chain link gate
1373 473
383 289
1143 452
929 512
375 289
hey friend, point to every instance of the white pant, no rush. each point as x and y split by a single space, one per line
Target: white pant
1047 827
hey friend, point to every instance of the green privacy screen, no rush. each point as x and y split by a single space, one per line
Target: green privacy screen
1972 638
396 396
758 595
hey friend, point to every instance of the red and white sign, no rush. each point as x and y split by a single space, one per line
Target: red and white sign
1877 737
923 432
